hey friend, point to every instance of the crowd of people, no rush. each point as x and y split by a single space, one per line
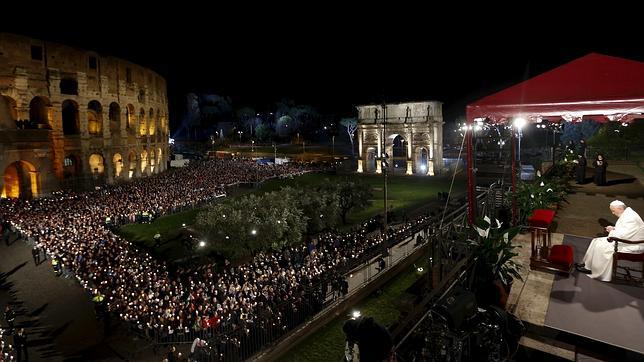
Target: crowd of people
256 299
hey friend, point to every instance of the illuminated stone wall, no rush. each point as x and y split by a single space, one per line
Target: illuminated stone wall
74 108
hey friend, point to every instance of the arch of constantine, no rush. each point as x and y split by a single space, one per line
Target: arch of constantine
411 134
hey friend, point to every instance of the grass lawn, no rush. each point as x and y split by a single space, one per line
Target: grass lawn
169 227
406 193
327 344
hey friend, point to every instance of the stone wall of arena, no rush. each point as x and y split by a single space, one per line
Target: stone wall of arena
71 117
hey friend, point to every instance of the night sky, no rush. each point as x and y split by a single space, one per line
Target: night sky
335 64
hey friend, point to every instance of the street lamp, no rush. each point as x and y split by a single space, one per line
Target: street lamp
274 154
240 134
252 147
519 123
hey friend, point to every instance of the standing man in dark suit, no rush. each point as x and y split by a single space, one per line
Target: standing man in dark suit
20 340
581 168
35 252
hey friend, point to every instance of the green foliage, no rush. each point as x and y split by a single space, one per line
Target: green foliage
247 225
495 249
321 207
353 195
542 193
264 132
614 134
578 130
253 223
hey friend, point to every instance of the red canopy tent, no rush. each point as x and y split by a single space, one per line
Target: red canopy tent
595 87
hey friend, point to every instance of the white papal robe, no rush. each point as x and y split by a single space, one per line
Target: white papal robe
599 256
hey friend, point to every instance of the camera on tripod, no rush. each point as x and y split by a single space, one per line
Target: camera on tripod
459 330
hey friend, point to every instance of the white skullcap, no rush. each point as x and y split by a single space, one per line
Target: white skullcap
618 203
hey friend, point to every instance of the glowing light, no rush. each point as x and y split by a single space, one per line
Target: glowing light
355 314
254 232
420 269
520 122
202 244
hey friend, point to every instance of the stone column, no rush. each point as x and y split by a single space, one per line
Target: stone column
360 161
108 165
410 163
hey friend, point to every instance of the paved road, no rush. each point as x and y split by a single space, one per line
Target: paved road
57 315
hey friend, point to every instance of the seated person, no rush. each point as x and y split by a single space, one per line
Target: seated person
598 261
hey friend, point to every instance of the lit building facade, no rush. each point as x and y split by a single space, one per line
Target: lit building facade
72 118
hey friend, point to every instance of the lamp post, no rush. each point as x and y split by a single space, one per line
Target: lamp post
333 147
385 169
240 134
519 123
274 154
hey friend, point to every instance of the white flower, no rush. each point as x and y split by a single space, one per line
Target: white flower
549 190
483 233
532 195
542 184
498 223
538 173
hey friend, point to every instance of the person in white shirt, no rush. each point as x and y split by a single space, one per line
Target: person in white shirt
598 261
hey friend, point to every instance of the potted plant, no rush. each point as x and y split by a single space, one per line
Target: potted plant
496 268
542 193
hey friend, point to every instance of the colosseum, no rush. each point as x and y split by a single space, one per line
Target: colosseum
71 118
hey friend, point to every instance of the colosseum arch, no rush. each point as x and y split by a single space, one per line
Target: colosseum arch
20 180
39 112
152 160
131 161
130 114
143 124
144 160
117 160
71 122
8 112
115 119
96 164
152 123
95 118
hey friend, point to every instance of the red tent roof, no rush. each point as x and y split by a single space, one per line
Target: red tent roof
591 87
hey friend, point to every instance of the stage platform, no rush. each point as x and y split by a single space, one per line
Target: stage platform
571 316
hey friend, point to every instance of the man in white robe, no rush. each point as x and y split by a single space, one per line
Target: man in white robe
598 261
